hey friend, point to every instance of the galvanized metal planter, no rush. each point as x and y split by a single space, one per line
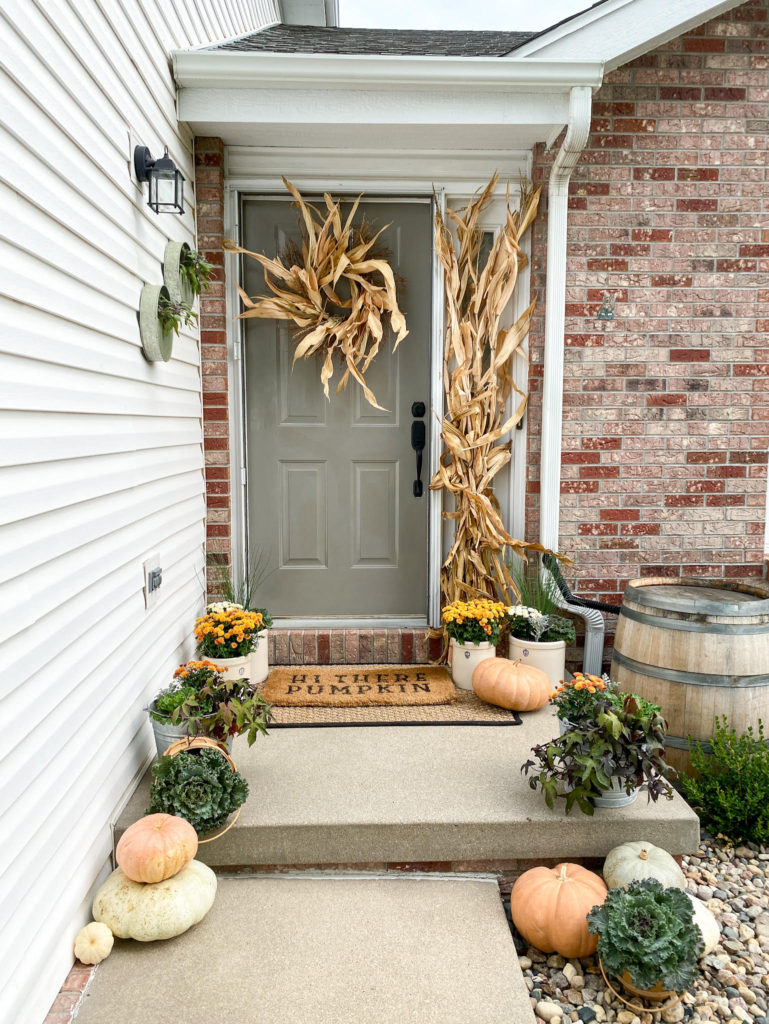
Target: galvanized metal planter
178 288
157 343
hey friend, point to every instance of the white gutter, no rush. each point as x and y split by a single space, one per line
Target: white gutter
223 69
577 131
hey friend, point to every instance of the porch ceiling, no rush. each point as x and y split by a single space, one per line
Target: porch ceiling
377 102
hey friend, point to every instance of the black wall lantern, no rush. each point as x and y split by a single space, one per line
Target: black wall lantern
165 178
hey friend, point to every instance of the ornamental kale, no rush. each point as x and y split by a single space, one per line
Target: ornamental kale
648 931
199 786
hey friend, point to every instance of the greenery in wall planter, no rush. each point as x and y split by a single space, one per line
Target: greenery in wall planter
160 317
196 271
175 315
157 341
186 272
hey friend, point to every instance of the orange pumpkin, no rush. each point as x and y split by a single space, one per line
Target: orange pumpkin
549 907
156 847
511 685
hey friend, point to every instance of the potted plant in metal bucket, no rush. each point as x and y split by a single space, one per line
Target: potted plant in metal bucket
649 940
474 628
201 702
575 700
604 760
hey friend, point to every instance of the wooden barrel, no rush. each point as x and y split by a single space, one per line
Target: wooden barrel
698 648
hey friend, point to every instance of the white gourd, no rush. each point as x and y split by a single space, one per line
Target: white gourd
155 910
93 943
707 924
632 862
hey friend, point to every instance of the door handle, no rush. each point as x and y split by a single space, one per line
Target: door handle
418 434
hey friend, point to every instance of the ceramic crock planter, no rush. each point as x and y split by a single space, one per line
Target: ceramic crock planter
550 657
260 667
464 658
233 668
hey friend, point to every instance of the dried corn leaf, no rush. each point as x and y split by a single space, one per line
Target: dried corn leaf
331 252
478 379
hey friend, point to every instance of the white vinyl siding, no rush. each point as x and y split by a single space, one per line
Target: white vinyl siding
101 459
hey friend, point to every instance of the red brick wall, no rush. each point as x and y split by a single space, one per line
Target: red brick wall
209 186
666 408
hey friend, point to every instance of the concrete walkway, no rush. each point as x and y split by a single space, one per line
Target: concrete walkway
436 793
330 950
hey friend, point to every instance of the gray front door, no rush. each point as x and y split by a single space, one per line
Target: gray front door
332 517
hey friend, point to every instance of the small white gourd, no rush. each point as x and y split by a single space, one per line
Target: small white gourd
706 921
93 943
632 862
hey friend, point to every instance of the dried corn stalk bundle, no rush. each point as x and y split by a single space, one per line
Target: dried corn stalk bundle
335 293
478 382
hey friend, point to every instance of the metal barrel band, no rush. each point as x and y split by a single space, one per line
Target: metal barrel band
682 744
672 675
690 626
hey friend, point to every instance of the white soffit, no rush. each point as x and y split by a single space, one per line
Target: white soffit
617 31
335 100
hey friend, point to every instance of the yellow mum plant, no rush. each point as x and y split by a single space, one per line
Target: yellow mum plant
474 622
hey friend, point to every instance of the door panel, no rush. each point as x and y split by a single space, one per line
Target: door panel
330 483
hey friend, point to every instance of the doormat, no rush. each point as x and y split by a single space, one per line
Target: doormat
467 709
344 686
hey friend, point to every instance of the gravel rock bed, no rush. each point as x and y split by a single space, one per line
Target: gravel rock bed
733 985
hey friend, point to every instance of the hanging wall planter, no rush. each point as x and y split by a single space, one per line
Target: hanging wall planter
156 342
179 289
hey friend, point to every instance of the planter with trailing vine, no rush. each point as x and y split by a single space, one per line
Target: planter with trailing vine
179 288
186 272
157 340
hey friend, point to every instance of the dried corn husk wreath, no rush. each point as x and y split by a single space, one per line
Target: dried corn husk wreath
333 253
478 382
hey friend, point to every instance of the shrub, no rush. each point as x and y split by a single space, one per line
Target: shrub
731 791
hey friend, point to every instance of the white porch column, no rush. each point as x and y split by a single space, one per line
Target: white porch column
577 131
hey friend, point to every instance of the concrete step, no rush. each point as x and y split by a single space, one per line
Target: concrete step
324 950
389 794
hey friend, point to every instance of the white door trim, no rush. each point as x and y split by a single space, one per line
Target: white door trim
234 191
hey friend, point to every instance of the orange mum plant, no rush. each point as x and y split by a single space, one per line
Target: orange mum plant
228 634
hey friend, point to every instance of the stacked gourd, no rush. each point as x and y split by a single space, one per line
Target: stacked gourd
157 891
549 906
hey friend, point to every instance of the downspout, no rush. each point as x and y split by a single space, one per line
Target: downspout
577 131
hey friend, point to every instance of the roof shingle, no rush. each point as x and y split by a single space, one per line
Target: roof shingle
377 41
